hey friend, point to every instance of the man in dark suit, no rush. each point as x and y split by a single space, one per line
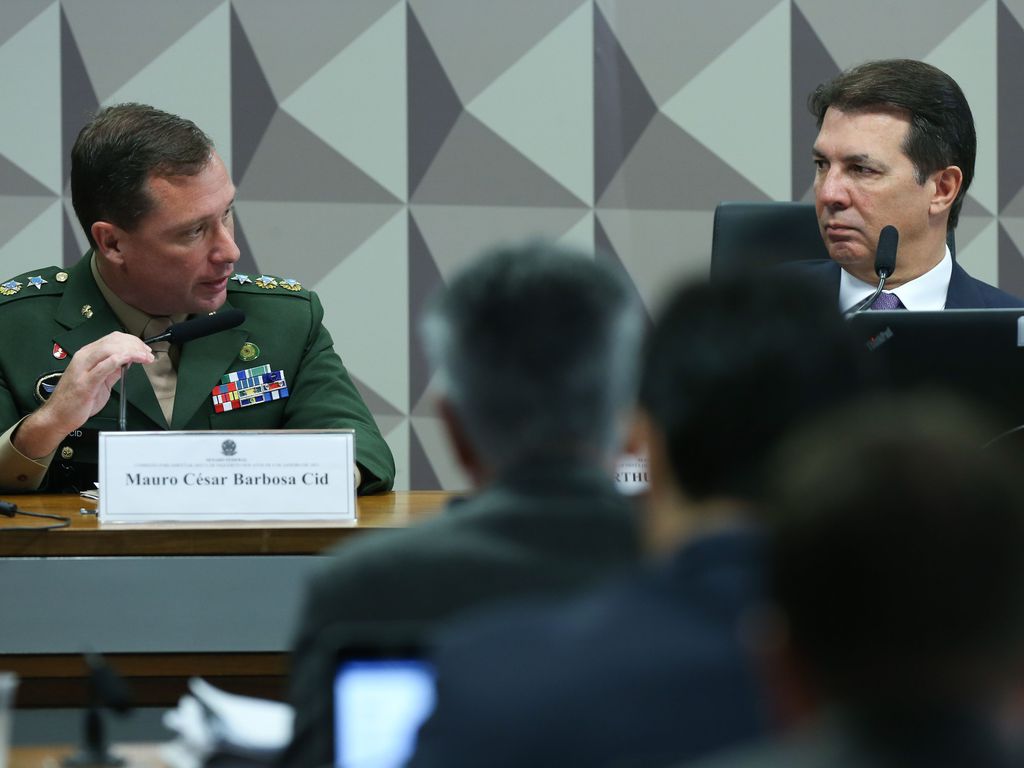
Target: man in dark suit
157 205
895 146
536 353
653 668
896 569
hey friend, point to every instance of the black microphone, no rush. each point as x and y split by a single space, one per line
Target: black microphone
179 333
885 255
885 265
200 326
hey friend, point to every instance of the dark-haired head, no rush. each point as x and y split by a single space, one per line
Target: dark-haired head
896 557
941 132
119 150
731 366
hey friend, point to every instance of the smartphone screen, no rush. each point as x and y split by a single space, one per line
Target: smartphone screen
379 705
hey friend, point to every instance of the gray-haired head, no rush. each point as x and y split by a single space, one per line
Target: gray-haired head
537 352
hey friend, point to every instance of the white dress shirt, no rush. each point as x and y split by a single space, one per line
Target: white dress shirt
922 293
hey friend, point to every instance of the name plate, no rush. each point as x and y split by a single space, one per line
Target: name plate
631 475
148 477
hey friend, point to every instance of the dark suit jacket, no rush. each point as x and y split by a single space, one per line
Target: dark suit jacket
954 739
644 672
285 325
965 292
551 528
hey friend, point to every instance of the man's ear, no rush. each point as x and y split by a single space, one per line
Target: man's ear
107 237
947 186
461 444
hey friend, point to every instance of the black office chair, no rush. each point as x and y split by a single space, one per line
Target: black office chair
749 236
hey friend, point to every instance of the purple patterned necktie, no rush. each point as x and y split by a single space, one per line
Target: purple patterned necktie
887 300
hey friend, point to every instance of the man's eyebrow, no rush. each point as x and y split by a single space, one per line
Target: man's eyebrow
858 158
200 219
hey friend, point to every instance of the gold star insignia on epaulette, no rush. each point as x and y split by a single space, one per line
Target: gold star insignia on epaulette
291 285
265 281
10 288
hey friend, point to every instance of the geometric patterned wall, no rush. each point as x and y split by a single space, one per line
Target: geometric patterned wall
378 144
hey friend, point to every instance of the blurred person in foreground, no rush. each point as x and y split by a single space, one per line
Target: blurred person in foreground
654 668
897 570
536 350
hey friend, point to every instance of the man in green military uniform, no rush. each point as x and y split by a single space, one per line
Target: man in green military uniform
155 201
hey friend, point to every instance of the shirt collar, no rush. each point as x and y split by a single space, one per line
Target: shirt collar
134 320
926 292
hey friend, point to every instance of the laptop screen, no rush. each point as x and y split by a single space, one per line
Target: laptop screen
975 353
379 705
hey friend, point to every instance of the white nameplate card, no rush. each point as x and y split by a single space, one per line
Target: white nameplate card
148 477
631 475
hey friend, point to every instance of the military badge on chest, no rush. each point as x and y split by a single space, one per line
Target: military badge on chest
248 387
46 384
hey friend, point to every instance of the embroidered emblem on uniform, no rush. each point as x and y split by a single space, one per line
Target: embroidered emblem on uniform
265 281
249 352
58 352
291 285
46 384
241 279
67 452
10 288
37 282
61 277
86 311
251 386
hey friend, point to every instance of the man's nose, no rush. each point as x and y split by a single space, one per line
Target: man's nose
225 248
831 190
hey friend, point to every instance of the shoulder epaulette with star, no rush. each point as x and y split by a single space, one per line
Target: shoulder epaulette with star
266 284
37 282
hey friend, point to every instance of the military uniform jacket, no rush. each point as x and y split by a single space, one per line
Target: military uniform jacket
47 313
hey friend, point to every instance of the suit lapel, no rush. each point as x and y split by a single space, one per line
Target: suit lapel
962 293
202 363
81 293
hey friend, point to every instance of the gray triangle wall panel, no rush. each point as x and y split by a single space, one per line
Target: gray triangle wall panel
252 102
78 98
812 65
1010 51
432 102
622 106
294 164
424 280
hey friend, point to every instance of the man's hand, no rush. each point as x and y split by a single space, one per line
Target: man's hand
81 392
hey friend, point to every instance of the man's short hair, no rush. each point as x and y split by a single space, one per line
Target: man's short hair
941 124
536 348
731 366
117 152
896 556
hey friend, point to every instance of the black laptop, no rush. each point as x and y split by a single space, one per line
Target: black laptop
977 354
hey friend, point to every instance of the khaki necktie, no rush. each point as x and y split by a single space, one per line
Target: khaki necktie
162 373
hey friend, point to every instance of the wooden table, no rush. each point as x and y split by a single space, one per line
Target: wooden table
164 601
135 756
86 537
